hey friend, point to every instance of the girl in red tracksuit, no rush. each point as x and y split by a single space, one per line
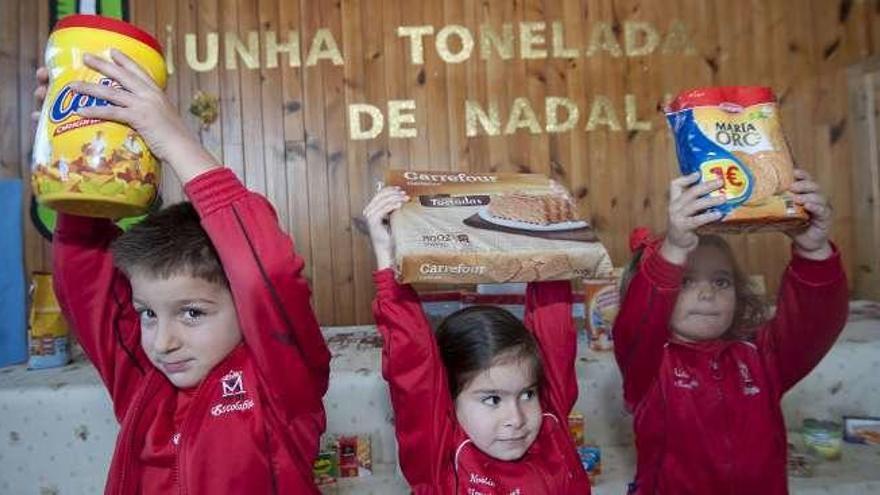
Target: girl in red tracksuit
703 373
197 320
483 407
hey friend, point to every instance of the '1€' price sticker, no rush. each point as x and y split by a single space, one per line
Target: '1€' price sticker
732 174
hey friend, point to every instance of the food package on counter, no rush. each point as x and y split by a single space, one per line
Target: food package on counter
861 429
823 438
577 427
343 456
326 467
602 303
48 335
355 456
591 460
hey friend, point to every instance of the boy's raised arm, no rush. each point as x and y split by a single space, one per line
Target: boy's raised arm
96 300
271 295
264 272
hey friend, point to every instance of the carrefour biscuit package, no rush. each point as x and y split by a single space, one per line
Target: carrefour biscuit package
734 134
490 228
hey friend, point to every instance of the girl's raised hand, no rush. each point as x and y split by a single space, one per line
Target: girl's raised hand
688 201
812 242
377 213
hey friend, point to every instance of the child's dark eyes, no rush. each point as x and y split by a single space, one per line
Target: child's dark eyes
528 395
717 283
191 315
146 315
491 400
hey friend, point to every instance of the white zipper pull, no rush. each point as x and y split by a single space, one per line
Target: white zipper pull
716 368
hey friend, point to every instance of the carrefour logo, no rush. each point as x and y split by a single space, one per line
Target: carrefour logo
69 102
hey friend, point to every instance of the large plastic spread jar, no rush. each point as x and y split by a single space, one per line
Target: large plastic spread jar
86 166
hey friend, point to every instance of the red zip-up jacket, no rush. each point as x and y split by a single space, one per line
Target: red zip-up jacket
435 454
253 424
707 416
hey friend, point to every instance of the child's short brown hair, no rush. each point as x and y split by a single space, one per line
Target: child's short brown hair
750 310
169 242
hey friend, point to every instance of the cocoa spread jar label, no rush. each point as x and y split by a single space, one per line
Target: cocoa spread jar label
92 167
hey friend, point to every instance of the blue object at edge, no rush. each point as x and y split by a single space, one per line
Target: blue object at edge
13 326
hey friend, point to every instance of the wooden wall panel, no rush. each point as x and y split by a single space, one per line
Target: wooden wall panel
284 129
864 86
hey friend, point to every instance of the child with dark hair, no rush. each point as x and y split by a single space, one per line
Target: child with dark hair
703 368
483 406
197 319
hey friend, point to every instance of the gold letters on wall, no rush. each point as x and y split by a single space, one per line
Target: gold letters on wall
456 44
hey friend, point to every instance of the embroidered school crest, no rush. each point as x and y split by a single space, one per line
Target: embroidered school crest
232 384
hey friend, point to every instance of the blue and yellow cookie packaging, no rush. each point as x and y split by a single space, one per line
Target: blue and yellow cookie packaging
734 134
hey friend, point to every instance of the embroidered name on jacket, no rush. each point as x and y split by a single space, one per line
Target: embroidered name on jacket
749 385
479 483
683 379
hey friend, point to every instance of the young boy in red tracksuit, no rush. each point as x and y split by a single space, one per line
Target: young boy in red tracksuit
703 372
483 407
198 322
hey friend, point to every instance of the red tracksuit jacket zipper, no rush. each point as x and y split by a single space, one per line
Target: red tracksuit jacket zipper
135 421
